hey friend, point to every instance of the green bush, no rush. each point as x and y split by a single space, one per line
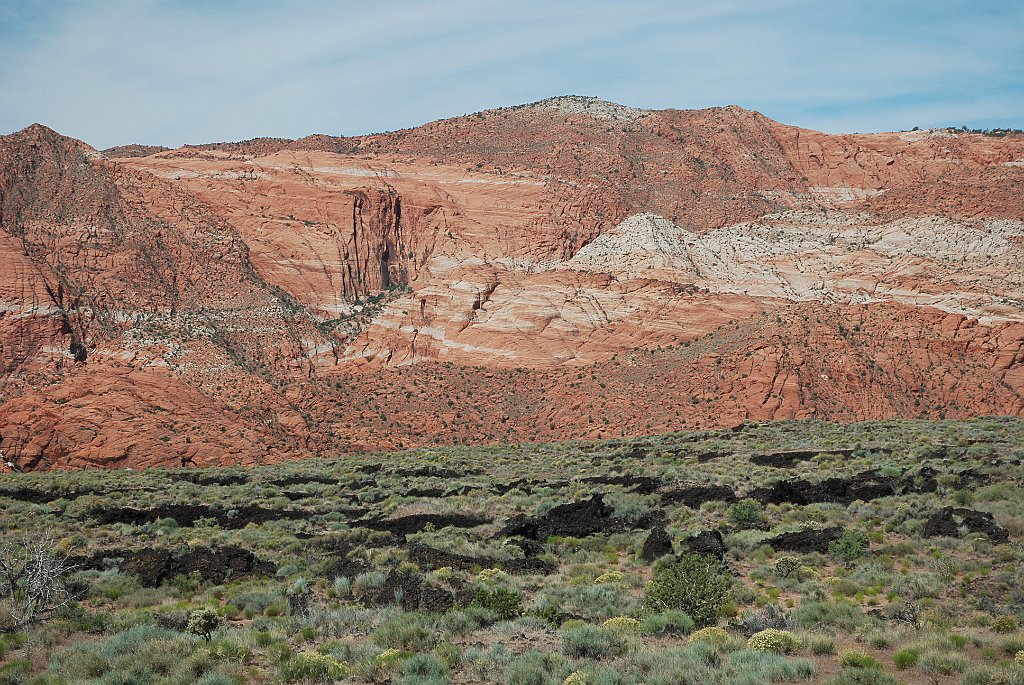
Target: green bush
773 640
591 642
905 658
670 622
410 632
855 659
535 668
549 613
506 604
424 669
695 585
840 615
746 512
849 546
140 654
942 661
820 645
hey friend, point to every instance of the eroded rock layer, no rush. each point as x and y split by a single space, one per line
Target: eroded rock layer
570 268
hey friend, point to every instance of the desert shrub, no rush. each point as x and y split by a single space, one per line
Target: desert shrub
1006 624
745 541
666 623
849 546
623 624
905 658
548 612
770 616
788 567
255 602
988 674
746 512
855 659
367 582
942 661
75 617
828 615
695 585
535 668
461 622
701 664
711 635
506 604
142 653
449 655
409 632
576 678
109 584
596 602
820 645
630 507
424 669
591 642
861 676
918 586
765 667
311 667
342 586
1019 658
773 640
202 622
1011 644
692 664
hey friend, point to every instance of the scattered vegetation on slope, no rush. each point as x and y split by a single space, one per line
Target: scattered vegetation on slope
879 552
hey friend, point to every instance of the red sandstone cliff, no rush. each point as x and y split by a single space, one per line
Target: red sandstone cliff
569 268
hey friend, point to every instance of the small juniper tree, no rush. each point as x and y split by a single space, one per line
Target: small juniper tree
695 584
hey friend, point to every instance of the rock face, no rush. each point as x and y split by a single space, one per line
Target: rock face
570 268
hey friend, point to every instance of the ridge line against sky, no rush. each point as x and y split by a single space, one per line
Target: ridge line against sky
171 72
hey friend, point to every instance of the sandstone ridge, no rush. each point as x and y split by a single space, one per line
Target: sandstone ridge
569 268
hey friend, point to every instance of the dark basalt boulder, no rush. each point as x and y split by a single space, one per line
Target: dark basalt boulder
409 591
414 523
694 496
644 485
657 545
214 565
807 540
865 486
947 522
707 542
575 519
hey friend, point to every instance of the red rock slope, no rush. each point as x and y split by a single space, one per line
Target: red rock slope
569 268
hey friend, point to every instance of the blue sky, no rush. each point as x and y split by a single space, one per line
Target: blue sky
173 72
